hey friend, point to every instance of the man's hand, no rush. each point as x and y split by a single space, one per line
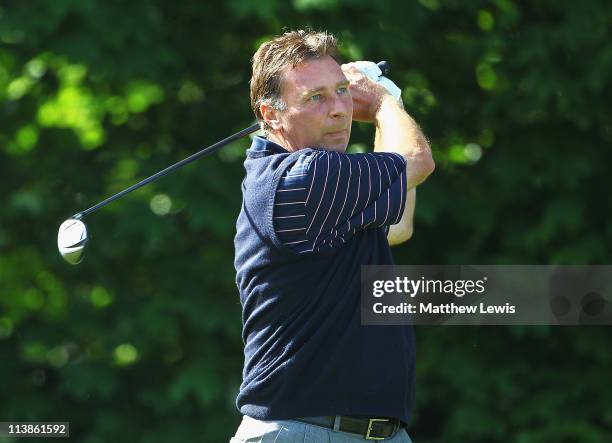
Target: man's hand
367 94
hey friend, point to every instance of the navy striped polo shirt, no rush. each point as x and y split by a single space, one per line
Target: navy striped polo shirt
309 220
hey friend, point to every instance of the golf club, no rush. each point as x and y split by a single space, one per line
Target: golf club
72 236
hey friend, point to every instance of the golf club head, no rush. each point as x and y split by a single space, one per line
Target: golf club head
71 240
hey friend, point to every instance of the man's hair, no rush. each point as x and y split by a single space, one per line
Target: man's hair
286 50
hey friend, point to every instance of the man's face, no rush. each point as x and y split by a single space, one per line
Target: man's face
319 107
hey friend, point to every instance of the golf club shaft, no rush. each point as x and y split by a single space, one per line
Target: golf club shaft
383 65
209 150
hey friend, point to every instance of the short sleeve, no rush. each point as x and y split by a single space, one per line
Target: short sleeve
331 196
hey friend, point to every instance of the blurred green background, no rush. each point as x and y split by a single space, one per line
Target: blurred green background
142 341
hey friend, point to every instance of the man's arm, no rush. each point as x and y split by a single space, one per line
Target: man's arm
419 161
402 231
396 131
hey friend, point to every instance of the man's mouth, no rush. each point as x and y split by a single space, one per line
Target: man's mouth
337 133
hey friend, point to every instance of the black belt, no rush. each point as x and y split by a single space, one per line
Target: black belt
368 428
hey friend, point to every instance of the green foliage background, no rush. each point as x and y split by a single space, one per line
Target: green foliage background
142 341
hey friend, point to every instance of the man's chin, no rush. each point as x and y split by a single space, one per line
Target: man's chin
341 148
336 144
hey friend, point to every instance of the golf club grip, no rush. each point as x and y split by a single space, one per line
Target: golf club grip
383 65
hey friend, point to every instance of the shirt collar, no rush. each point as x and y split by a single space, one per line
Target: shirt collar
261 147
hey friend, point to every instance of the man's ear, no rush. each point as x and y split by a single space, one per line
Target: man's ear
270 116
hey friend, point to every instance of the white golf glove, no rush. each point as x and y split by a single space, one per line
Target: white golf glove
373 72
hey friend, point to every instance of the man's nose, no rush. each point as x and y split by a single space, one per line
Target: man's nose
339 107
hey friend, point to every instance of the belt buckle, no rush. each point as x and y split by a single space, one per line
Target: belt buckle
371 421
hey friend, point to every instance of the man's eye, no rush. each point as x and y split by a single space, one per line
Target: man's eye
342 90
315 98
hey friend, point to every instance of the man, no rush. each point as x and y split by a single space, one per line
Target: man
311 217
